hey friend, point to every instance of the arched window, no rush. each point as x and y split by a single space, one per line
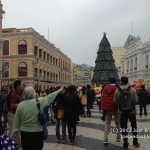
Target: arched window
22 69
22 47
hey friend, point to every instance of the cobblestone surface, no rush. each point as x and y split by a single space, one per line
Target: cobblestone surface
90 132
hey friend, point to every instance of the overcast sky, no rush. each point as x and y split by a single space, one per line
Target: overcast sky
77 26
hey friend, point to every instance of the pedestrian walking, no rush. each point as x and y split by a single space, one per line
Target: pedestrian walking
110 108
72 106
142 100
126 98
83 97
26 119
89 100
57 105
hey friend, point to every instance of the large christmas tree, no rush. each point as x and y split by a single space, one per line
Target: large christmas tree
105 64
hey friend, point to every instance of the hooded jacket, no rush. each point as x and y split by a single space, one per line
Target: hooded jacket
108 96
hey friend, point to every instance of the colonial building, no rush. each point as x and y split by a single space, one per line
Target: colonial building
135 62
28 56
1 13
73 70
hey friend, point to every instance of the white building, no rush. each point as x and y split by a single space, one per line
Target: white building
135 62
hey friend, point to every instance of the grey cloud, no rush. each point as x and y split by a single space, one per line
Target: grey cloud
77 26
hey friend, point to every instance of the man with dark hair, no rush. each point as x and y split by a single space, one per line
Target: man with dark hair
110 108
15 99
142 99
131 115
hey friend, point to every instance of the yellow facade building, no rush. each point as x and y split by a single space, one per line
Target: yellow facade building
117 53
28 56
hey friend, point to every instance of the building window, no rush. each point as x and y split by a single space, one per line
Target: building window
40 53
128 66
51 76
123 69
6 47
135 68
5 69
35 50
51 59
22 47
47 75
40 73
131 67
56 77
35 71
146 61
22 69
44 55
59 62
54 60
44 74
48 57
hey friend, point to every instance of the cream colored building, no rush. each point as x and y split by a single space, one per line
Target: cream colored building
117 54
28 56
135 63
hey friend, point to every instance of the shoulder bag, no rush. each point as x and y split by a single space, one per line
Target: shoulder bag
42 120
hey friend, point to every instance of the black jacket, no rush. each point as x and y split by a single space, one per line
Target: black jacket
72 109
58 103
142 97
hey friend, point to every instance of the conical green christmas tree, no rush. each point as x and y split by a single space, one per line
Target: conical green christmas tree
105 64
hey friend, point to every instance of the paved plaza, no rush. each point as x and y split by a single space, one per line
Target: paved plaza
90 131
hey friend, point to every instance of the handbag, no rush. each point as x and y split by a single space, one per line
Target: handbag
60 114
42 120
41 116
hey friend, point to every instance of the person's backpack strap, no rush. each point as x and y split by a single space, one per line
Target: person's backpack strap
128 89
38 104
120 90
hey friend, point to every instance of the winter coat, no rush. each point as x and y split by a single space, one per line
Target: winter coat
108 96
58 103
83 98
90 96
142 97
72 109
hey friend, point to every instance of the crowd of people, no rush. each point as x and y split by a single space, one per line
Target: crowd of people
22 117
21 113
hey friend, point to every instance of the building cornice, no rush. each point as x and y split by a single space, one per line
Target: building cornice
36 36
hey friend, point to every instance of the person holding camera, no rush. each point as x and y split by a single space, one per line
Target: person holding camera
26 119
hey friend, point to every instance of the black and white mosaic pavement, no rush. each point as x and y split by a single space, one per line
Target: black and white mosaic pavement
90 133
